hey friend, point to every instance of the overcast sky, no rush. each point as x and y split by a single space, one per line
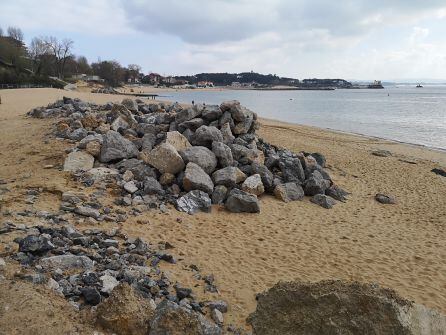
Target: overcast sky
352 39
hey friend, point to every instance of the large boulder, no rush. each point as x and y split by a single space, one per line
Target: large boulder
116 147
164 158
289 192
67 262
336 307
194 201
223 154
211 113
130 104
226 132
228 176
292 170
177 140
172 319
219 194
266 175
78 160
125 312
196 179
323 201
240 201
188 114
253 184
242 116
315 184
201 156
205 135
35 244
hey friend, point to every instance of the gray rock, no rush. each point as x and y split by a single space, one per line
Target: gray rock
223 154
192 125
320 159
87 211
289 192
323 201
187 114
381 153
130 104
336 192
148 141
266 175
228 176
35 244
91 295
217 316
253 184
165 158
239 201
88 139
194 201
220 305
219 194
78 134
205 135
152 186
211 113
196 179
130 187
119 124
171 318
292 170
385 199
116 147
315 184
67 262
201 156
177 140
226 132
78 161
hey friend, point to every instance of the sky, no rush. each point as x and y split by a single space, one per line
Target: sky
351 39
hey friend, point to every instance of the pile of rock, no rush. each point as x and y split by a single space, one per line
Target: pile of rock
189 156
105 90
87 267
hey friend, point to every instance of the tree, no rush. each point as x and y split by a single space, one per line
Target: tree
61 50
38 49
111 71
83 66
15 33
133 72
1 31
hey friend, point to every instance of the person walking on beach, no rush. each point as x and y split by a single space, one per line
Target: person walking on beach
193 103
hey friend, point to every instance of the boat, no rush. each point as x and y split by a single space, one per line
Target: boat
375 84
419 86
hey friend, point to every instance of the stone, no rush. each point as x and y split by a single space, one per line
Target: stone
381 153
152 186
266 175
90 138
320 159
35 244
292 170
78 161
53 285
127 175
315 184
67 262
116 147
172 319
167 179
91 295
125 312
217 316
108 283
182 292
78 134
2 263
130 104
226 132
87 211
239 201
102 173
194 201
196 179
130 187
192 125
253 184
228 176
187 114
223 154
165 158
148 141
211 113
201 156
93 148
323 201
439 172
119 124
177 140
336 193
205 135
385 199
220 305
219 194
289 192
246 155
90 122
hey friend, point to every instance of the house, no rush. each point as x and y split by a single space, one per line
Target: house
155 78
205 84
236 84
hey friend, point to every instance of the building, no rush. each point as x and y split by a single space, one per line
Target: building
205 84
155 78
83 76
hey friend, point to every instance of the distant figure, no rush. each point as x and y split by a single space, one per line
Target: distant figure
388 94
193 103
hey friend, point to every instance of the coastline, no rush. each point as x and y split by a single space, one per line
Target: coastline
397 246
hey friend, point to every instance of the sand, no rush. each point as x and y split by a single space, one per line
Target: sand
398 246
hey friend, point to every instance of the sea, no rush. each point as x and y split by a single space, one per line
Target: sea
399 113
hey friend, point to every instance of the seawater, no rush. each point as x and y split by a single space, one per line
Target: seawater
405 114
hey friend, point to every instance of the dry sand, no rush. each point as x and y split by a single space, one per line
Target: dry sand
400 246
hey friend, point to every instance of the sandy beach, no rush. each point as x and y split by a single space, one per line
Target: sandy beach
398 246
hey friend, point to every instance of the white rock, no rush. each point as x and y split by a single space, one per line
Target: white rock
130 187
108 283
217 316
177 140
78 160
253 184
